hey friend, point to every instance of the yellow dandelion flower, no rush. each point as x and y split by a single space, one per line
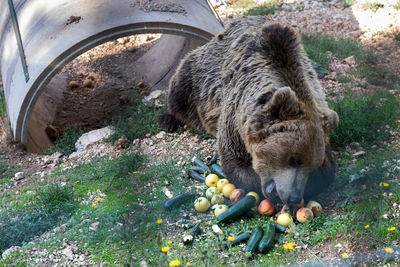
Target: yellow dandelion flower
187 264
231 238
221 232
98 199
389 250
288 231
288 246
37 196
367 226
392 228
94 206
165 249
134 172
345 255
169 242
159 221
383 184
174 263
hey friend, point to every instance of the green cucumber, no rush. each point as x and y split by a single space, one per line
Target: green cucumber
200 163
268 240
197 169
254 240
215 168
175 202
238 240
238 209
197 176
280 228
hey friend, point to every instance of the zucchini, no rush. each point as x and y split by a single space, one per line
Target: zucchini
199 163
268 240
215 168
280 228
197 169
188 238
254 240
238 240
213 159
197 176
175 202
238 209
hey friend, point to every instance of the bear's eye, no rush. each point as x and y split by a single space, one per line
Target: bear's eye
294 163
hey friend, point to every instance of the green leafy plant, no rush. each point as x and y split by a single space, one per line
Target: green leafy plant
363 118
66 142
3 109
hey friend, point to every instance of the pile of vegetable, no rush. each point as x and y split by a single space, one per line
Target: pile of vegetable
230 203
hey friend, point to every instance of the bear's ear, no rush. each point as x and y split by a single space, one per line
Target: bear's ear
272 107
284 105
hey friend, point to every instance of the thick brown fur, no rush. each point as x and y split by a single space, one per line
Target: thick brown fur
255 90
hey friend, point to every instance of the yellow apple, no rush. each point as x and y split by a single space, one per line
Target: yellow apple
227 190
254 194
217 199
221 183
211 191
212 180
201 204
219 209
284 219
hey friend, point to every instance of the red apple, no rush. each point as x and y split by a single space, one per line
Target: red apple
304 214
266 207
236 195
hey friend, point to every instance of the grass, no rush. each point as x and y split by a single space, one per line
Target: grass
6 173
374 6
3 108
252 8
364 118
125 195
50 206
65 144
137 122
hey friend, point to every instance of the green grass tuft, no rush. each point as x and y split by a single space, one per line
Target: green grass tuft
364 118
262 10
52 204
373 6
137 122
65 144
3 109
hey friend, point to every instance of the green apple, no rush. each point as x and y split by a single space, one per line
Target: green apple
217 199
201 204
219 209
211 191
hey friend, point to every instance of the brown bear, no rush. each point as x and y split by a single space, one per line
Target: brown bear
253 87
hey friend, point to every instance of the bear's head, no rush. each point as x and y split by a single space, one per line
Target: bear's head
287 139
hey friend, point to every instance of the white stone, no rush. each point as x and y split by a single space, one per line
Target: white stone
9 251
359 153
92 137
94 226
68 252
19 176
156 94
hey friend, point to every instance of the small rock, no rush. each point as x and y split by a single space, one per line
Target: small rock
153 95
68 252
19 176
131 49
88 83
161 135
143 264
350 60
121 143
359 153
73 84
93 226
